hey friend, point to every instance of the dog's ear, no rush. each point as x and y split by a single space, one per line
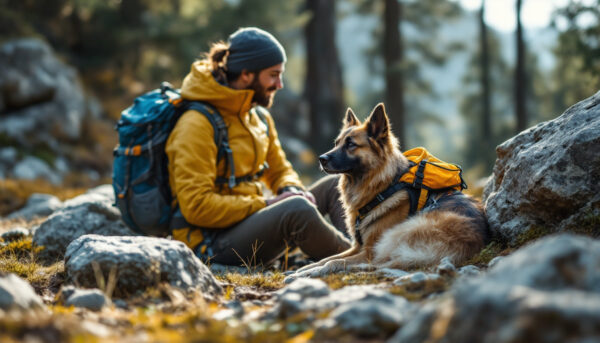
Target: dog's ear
378 126
350 119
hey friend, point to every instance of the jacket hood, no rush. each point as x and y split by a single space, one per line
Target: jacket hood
201 85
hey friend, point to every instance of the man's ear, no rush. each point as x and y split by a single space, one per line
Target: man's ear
247 77
378 126
350 119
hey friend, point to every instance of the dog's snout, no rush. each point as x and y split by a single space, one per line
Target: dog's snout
324 159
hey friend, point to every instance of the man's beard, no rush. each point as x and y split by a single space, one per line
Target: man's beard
260 94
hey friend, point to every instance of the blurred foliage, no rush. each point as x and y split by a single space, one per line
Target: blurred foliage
421 23
124 47
577 72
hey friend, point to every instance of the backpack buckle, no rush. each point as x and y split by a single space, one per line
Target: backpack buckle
231 181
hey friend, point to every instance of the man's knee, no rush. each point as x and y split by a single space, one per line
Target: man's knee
300 206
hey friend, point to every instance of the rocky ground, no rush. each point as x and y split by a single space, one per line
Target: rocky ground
70 270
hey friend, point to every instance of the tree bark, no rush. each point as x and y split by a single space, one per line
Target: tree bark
324 85
393 57
520 75
486 113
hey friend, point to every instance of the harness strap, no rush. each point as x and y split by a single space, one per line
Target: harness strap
394 187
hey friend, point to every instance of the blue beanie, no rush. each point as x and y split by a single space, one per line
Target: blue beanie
253 49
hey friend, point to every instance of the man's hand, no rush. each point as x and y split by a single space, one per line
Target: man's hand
308 195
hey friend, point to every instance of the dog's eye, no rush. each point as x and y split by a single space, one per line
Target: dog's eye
350 144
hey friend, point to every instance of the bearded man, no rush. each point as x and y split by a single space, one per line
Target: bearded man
238 225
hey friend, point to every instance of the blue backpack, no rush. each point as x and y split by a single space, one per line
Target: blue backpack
140 166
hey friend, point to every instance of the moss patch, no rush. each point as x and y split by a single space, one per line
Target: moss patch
493 249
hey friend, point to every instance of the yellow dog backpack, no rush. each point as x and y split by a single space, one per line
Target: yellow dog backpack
429 173
426 177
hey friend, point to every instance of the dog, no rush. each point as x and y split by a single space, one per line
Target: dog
368 157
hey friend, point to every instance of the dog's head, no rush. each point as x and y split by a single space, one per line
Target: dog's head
360 147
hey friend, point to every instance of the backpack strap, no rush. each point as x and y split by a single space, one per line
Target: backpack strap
221 137
261 112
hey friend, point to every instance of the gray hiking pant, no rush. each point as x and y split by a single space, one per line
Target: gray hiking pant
293 222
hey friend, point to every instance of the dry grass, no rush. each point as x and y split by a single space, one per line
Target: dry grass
260 281
14 193
339 280
19 257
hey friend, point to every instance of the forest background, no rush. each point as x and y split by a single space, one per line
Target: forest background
451 81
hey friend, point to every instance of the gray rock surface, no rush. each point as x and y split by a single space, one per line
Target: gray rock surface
469 270
16 293
89 213
357 310
548 291
140 262
92 299
31 168
38 91
548 177
369 317
38 205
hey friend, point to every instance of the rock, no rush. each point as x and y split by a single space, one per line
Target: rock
306 288
420 281
140 262
469 270
8 155
313 299
91 299
548 291
446 268
495 261
40 94
38 205
31 168
90 213
15 234
374 317
547 177
217 269
16 293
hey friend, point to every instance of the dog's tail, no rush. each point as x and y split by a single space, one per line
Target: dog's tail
426 238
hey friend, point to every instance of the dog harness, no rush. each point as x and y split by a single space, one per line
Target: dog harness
426 179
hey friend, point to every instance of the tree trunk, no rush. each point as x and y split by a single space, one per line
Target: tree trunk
520 75
324 86
393 57
486 113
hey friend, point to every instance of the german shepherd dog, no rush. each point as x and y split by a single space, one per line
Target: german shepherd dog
368 157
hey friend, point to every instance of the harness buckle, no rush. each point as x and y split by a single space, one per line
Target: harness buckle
231 182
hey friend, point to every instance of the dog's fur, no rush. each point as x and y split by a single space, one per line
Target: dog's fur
368 158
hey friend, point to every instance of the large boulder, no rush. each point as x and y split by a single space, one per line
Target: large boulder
140 262
90 213
548 291
547 178
40 94
16 293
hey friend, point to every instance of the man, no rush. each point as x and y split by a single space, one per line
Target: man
239 225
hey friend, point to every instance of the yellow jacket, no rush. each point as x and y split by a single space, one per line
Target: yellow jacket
192 154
